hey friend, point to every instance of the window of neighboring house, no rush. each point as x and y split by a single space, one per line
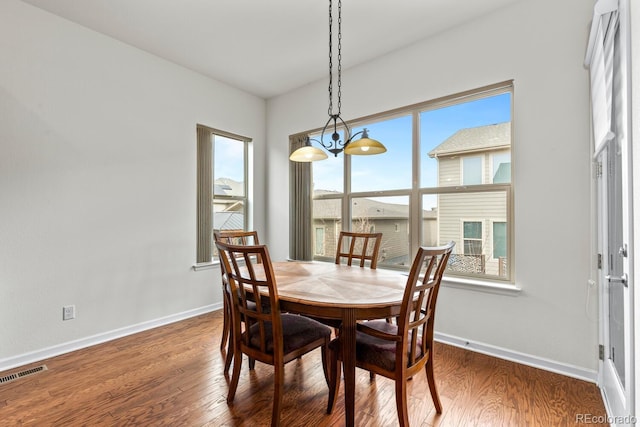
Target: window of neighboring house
472 235
319 241
223 182
472 170
447 161
499 240
501 167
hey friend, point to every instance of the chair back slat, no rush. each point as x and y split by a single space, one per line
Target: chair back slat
416 320
237 237
361 246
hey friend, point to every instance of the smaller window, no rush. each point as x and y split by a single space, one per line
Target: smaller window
502 168
499 240
472 170
222 183
229 183
319 246
472 237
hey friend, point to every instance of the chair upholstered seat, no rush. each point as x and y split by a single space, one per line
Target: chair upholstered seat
375 351
297 332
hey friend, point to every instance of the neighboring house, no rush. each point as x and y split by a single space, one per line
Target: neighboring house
477 222
227 214
369 216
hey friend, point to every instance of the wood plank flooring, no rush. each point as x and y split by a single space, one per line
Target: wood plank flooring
172 376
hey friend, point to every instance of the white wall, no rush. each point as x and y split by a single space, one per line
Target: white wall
98 183
541 45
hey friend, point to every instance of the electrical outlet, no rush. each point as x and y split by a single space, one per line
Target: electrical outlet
68 312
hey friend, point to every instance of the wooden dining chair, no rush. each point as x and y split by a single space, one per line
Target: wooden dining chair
236 237
358 246
399 351
268 336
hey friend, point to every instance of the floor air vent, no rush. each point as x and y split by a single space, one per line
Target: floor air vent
16 375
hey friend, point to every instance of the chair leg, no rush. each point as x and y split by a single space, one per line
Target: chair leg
432 385
237 364
229 357
334 380
277 395
401 403
225 323
325 364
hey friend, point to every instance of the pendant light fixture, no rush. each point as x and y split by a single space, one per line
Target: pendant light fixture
362 146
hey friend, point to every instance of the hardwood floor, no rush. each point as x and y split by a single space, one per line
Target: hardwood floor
173 376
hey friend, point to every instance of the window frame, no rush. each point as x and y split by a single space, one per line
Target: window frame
244 199
205 249
416 193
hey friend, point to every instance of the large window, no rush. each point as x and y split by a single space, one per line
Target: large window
222 186
446 176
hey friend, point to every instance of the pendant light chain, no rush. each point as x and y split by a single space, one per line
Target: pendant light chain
339 56
330 110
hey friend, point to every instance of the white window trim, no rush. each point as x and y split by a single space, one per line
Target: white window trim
207 172
482 285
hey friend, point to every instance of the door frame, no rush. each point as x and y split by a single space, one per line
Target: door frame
621 413
618 400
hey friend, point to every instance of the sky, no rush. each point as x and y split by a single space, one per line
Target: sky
392 170
228 158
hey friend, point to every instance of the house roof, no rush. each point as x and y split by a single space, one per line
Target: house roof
474 139
227 187
363 208
228 220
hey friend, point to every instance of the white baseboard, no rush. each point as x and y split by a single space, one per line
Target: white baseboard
46 353
525 359
502 353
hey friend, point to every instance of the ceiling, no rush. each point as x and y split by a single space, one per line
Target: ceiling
265 47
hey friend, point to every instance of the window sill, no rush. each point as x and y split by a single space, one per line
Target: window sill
481 286
449 282
205 265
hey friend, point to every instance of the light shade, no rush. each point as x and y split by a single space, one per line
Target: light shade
308 153
364 146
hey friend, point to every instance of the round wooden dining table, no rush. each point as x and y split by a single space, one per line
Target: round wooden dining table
349 294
